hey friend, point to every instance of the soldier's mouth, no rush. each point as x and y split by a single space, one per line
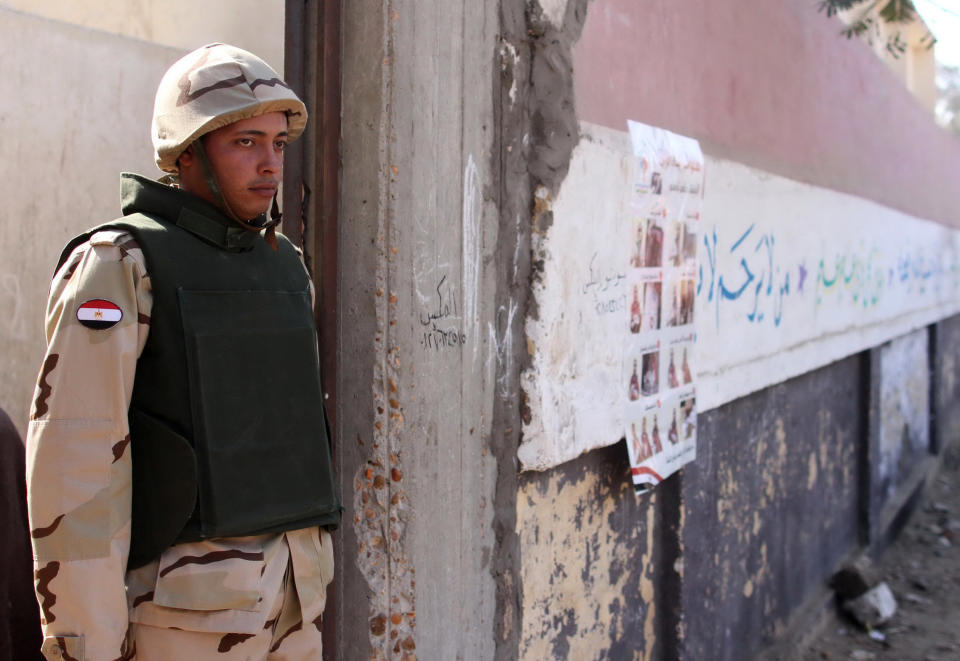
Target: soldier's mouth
265 190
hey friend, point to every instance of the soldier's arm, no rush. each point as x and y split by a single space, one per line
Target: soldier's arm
78 454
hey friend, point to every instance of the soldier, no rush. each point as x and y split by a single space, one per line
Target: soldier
178 509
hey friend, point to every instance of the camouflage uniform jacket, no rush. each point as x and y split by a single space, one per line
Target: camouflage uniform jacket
79 489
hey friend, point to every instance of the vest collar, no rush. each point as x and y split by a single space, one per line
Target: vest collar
189 212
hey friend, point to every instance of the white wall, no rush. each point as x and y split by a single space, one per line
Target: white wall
790 278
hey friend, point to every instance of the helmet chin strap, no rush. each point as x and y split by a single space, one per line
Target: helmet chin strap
269 227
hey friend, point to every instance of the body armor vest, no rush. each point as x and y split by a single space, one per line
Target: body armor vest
227 429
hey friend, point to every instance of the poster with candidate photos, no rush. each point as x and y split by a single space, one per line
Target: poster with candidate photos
678 363
659 364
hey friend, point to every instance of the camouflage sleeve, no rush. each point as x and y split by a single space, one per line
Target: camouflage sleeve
78 459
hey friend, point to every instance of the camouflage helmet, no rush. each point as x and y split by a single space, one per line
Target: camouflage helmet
211 87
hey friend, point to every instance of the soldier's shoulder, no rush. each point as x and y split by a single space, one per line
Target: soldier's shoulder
108 245
111 237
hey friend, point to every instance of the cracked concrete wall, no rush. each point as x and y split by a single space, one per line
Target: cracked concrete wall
420 341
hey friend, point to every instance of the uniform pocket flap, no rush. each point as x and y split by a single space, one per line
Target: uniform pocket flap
210 576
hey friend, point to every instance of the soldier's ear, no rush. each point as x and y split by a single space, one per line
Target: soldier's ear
186 158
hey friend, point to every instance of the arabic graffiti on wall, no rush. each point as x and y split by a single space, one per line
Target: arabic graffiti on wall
745 271
606 288
441 329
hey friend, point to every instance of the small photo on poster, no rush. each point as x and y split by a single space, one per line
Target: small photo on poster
688 258
633 387
650 146
688 293
650 379
650 306
652 419
679 371
674 375
680 295
637 255
656 183
638 442
653 241
687 414
636 308
676 235
649 178
644 437
674 425
635 448
671 302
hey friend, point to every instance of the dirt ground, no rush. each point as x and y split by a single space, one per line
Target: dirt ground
922 568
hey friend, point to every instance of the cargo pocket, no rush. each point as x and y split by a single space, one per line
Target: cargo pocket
210 576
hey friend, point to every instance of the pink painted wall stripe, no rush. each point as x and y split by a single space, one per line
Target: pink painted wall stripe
771 84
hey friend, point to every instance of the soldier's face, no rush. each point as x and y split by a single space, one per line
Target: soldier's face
247 161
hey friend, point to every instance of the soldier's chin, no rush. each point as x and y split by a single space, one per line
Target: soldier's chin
251 213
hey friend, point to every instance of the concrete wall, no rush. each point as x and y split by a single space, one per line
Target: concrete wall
599 572
75 111
418 340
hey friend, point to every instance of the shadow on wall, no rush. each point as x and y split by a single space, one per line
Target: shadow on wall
20 635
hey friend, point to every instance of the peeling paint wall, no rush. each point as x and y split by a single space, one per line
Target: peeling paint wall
596 577
770 508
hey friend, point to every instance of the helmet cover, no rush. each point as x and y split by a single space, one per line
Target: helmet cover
212 87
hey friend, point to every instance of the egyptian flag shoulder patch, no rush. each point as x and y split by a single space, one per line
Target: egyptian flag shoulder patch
99 314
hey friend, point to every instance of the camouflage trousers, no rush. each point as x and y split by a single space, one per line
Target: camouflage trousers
285 637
